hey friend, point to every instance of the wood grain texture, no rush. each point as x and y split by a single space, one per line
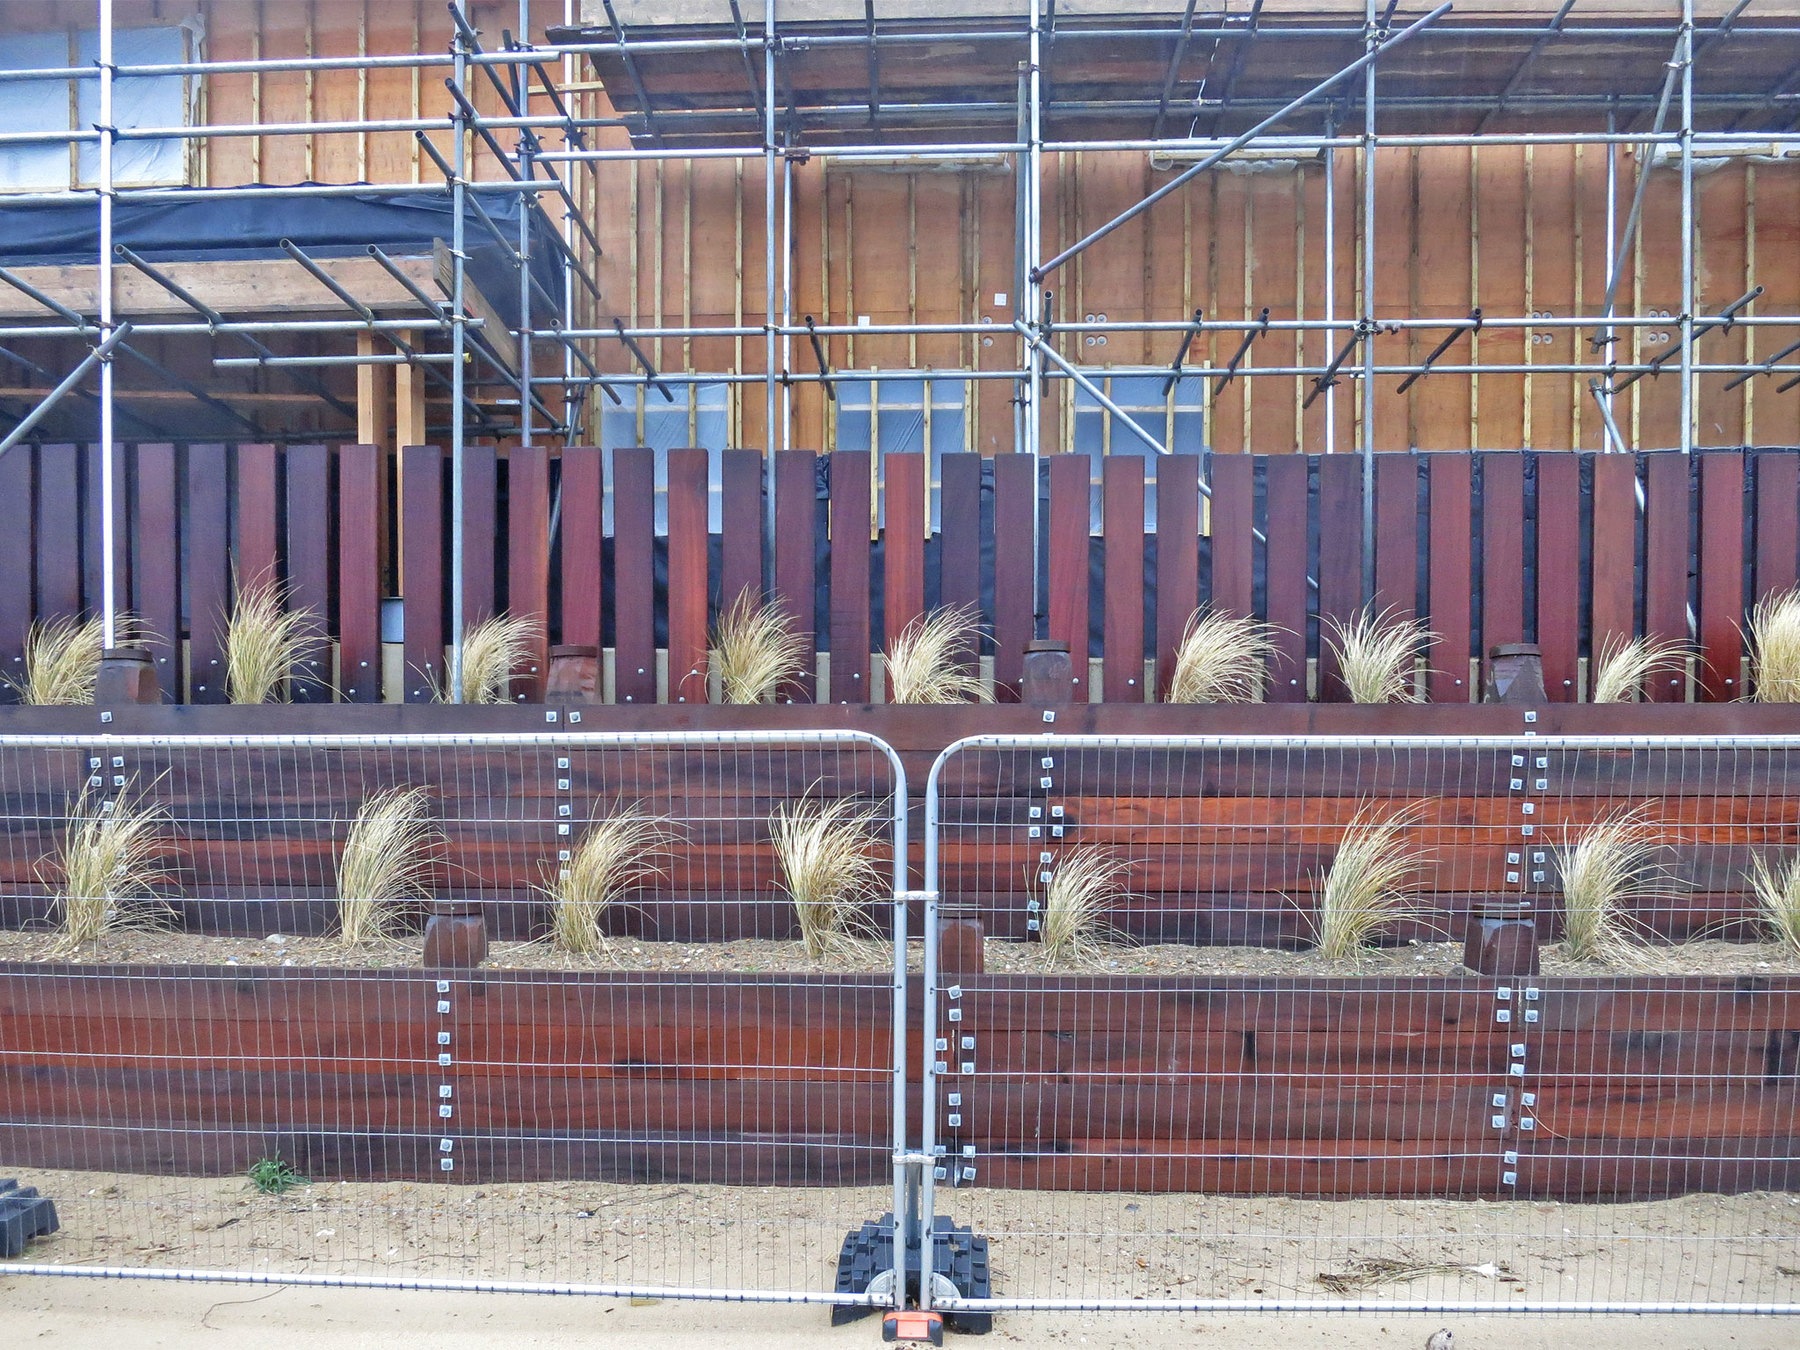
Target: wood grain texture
1449 578
206 585
1721 576
1777 520
959 535
156 537
1122 606
528 560
1288 599
359 531
741 508
1178 556
796 560
634 575
1559 573
579 544
306 543
1614 551
58 530
422 569
1340 561
850 595
1015 569
903 542
1666 565
1502 550
687 593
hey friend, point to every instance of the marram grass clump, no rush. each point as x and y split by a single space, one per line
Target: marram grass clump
1777 892
62 658
758 650
265 643
1371 882
111 860
1609 865
824 852
615 854
1626 665
1085 884
386 863
1222 659
1774 643
925 664
1377 655
491 651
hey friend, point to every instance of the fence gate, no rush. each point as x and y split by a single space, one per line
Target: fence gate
1135 1120
669 1117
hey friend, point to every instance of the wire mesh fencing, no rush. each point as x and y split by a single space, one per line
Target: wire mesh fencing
1325 1109
674 1082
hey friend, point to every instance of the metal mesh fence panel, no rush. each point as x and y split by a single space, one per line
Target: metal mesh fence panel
1135 1124
666 1115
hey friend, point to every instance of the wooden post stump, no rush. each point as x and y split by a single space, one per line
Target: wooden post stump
456 936
1049 675
127 675
1502 939
962 945
574 674
1515 675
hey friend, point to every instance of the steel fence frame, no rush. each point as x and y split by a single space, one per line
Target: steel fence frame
1525 765
101 748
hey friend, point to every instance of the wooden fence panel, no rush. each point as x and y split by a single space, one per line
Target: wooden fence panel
207 586
422 569
1502 550
59 531
1777 521
1178 557
1559 573
740 525
1666 500
903 543
687 576
1449 576
1233 517
17 468
93 557
1340 561
528 560
1123 506
481 532
156 529
254 557
850 594
307 542
1397 533
360 472
582 526
1613 563
1015 570
959 536
1287 574
796 562
1067 541
1721 576
634 575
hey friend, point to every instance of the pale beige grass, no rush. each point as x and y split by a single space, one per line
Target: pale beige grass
1378 655
1371 883
1085 884
925 664
62 658
1774 644
265 642
1609 867
1626 665
387 863
491 651
1222 658
615 853
111 857
1777 892
758 650
825 851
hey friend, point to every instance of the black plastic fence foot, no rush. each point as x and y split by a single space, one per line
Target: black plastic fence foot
24 1214
958 1255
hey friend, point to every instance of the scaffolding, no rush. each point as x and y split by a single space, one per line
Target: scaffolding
1310 81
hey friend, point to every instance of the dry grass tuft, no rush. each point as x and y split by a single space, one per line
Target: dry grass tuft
111 856
615 854
386 863
1626 664
1085 884
491 651
265 642
759 651
925 663
1222 659
1777 891
1611 864
1378 655
824 852
1370 883
1774 641
62 658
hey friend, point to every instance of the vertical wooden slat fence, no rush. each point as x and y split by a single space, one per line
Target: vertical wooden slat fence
1486 548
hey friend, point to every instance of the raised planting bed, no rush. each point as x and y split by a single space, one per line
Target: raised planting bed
1640 1086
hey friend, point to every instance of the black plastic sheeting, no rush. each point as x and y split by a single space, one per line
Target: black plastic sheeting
180 229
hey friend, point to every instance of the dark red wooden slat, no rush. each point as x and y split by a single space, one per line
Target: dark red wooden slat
93 553
1340 561
360 469
1122 487
1502 549
480 531
1448 576
1233 539
1721 576
1068 547
59 531
1777 520
1178 553
796 563
959 534
1287 587
1015 571
580 545
1614 552
254 557
634 575
1397 533
849 602
740 524
528 559
903 542
687 576
1666 564
308 547
207 587
422 569
16 562
1559 571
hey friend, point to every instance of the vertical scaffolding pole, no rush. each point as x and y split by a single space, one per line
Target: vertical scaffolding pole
458 192
1687 227
1031 300
787 297
109 573
1330 278
1603 391
769 297
1372 39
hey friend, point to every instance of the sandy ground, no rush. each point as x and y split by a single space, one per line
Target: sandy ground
135 946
